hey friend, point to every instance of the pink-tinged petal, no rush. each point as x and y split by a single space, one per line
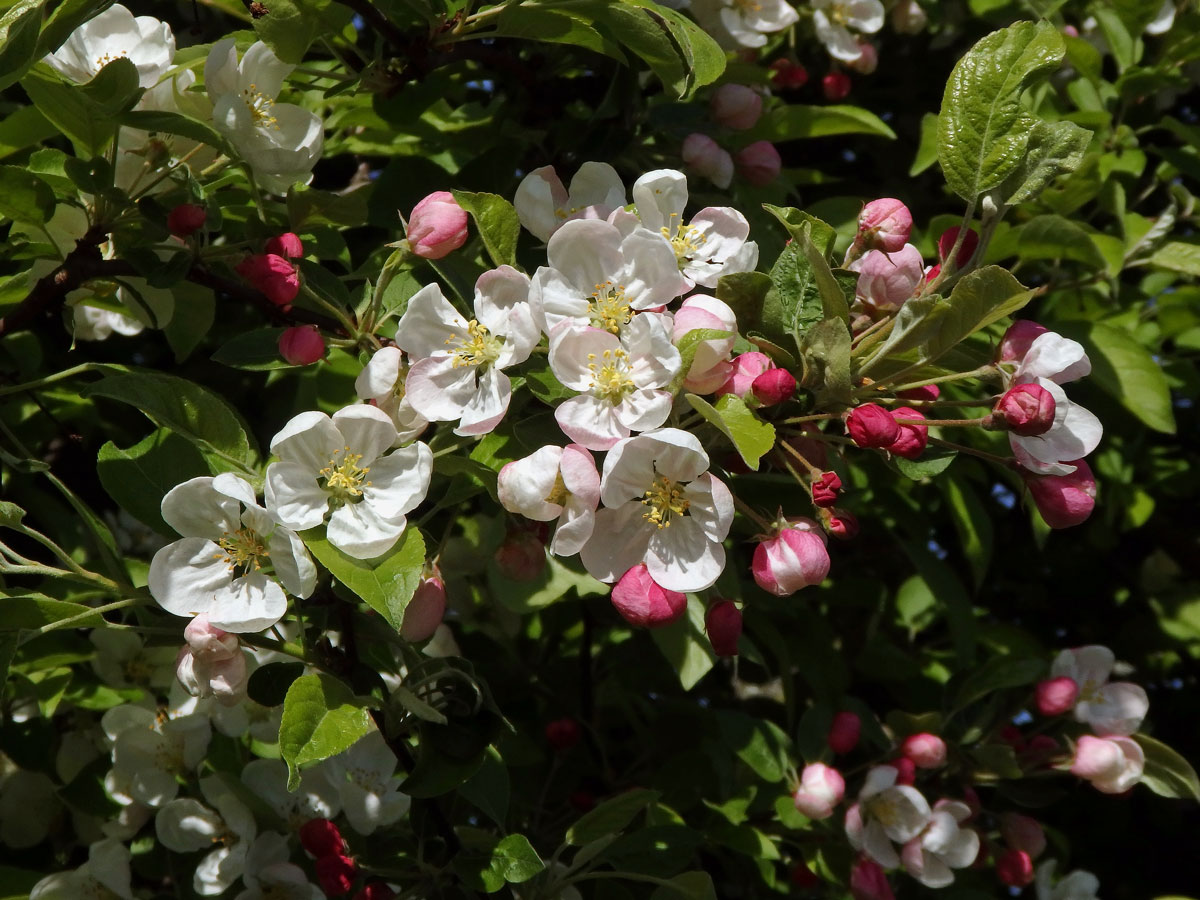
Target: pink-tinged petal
643 410
1097 758
251 603
539 194
366 429
358 531
438 389
854 826
487 407
579 474
427 322
618 542
586 252
1055 357
591 422
309 439
294 496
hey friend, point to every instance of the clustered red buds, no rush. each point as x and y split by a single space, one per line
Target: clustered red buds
437 226
287 245
1056 696
794 558
844 732
186 219
273 276
336 874
320 837
642 601
735 106
927 751
835 86
825 489
563 734
758 163
872 426
1026 409
302 345
1064 500
911 440
821 789
723 622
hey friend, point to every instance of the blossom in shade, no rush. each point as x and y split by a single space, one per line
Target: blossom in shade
868 59
644 602
116 34
382 384
317 797
908 17
1109 707
1112 764
886 280
706 157
791 559
554 484
1077 885
338 468
886 812
105 874
927 751
833 20
737 24
735 106
1064 500
336 874
821 789
217 569
563 734
457 372
942 845
225 827
211 663
320 837
365 779
437 226
543 204
1023 833
788 74
662 508
759 163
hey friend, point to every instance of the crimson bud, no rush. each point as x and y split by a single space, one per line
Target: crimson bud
870 425
844 732
1056 696
1027 410
835 86
1014 868
773 386
186 219
965 252
302 345
723 623
746 367
906 770
825 489
843 524
1064 500
287 245
642 601
320 837
802 876
788 74
925 392
336 874
910 442
376 890
272 275
1018 339
562 734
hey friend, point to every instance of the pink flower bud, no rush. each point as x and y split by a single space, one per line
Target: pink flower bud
723 622
759 163
522 555
872 426
927 751
710 366
746 368
868 881
1064 500
931 274
868 59
321 838
835 86
925 392
793 559
642 601
186 219
1018 339
1023 833
821 789
735 106
1014 868
302 345
1070 31
702 154
910 442
965 252
336 874
437 226
886 280
825 489
211 663
1056 696
843 525
207 639
788 75
425 610
774 386
287 245
1113 764
885 224
563 734
376 890
273 276
844 732
906 770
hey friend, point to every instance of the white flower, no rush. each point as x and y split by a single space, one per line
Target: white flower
338 463
105 874
1078 885
149 756
737 23
555 483
1110 708
188 826
217 568
457 373
711 245
833 19
122 660
269 875
281 142
543 203
1052 356
115 33
942 846
92 323
623 380
663 508
601 277
381 383
316 798
364 776
1163 19
1050 361
885 812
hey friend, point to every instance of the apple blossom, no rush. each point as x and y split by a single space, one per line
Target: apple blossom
911 439
185 219
833 20
1064 500
277 881
706 157
872 426
338 468
1055 696
868 881
735 106
1112 764
217 568
737 24
317 797
105 874
723 623
884 224
92 323
1078 885
710 366
642 601
1110 708
543 204
759 163
150 755
554 483
794 557
302 345
365 779
188 826
927 751
844 732
425 610
886 280
115 34
943 845
836 86
382 383
886 812
437 226
821 789
123 660
211 663
1163 20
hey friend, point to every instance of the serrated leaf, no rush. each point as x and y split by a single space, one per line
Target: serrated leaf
744 293
751 436
321 718
1167 773
162 122
1054 149
386 584
497 222
610 817
1178 256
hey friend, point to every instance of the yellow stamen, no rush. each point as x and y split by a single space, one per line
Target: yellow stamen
243 550
611 378
665 499
478 348
345 479
608 308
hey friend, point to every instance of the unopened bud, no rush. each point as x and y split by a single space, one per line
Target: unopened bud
522 555
746 368
723 622
844 732
1056 696
759 163
794 558
736 106
906 770
321 838
563 734
642 601
287 245
872 426
1023 833
302 345
703 155
825 489
425 610
887 280
273 276
376 890
835 86
965 252
868 881
884 224
788 75
925 392
927 751
774 386
336 874
1064 500
843 525
821 789
186 219
911 440
437 226
1027 410
1014 868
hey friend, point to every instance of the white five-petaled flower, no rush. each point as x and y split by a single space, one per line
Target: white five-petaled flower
662 508
217 568
743 23
457 371
942 846
543 204
336 467
104 875
382 383
623 379
713 244
281 142
316 798
833 20
226 828
1111 708
886 812
555 483
269 875
1078 885
600 275
364 776
150 755
115 34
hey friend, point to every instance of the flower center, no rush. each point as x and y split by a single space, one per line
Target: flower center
260 106
684 241
747 6
608 308
558 494
345 479
884 809
477 348
565 214
137 670
610 376
243 549
105 58
665 499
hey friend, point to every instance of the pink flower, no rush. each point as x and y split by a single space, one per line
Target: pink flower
759 163
793 559
642 601
1113 764
911 440
287 245
821 789
746 367
302 345
437 226
825 489
723 622
186 219
872 426
835 86
1027 410
886 280
927 751
702 154
273 276
425 610
1056 696
1064 500
735 106
884 224
844 732
710 366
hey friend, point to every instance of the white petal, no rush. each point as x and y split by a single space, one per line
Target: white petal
1118 709
590 421
399 481
488 405
251 603
293 566
378 377
661 197
681 558
1055 357
186 576
711 505
187 825
427 322
196 509
439 390
650 272
524 485
597 184
572 350
586 252
539 194
309 439
295 496
877 846
367 431
358 531
618 542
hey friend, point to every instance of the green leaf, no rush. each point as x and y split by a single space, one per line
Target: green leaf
387 583
826 349
751 436
24 197
268 685
255 350
759 743
292 25
803 288
934 461
610 817
417 706
999 674
982 129
498 224
1178 256
555 26
321 718
688 346
554 582
10 514
1167 773
38 610
693 885
685 645
161 122
926 147
1054 148
139 477
795 120
820 233
19 27
516 860
489 789
185 408
195 309
86 113
1053 237
972 522
744 292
